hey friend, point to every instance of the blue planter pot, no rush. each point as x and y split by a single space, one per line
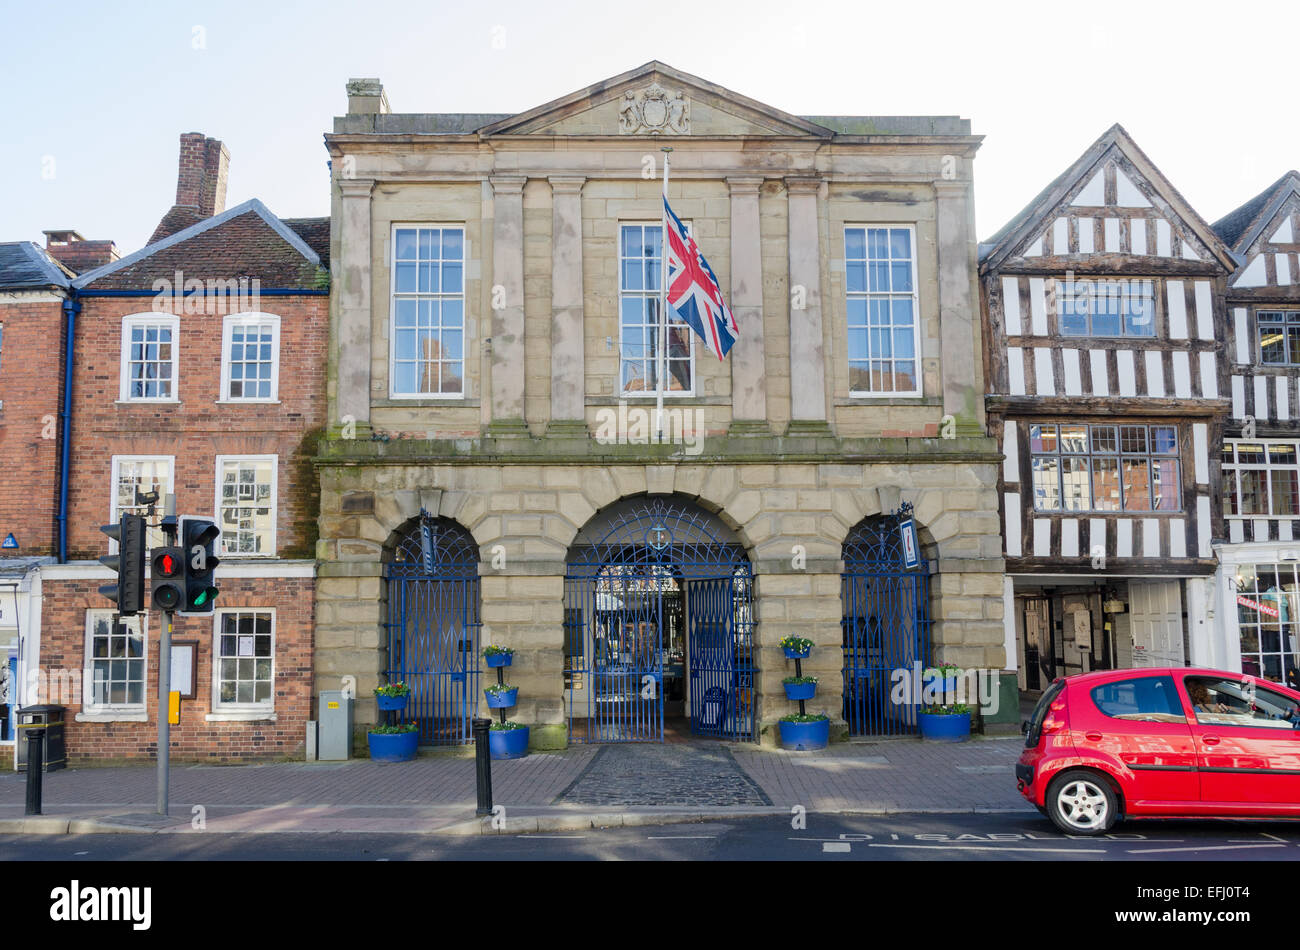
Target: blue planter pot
805 736
393 747
501 700
794 654
512 744
392 703
498 659
950 728
797 691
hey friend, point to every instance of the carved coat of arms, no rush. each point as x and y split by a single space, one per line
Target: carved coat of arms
654 111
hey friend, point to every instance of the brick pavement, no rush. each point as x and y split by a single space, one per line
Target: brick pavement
437 791
891 775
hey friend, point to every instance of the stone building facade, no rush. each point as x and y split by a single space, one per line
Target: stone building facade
491 385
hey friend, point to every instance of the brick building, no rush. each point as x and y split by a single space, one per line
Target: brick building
34 288
490 476
196 370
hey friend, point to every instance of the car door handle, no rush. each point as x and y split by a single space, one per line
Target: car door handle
1210 740
1094 736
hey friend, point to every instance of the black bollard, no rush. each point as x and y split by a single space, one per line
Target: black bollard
483 766
35 766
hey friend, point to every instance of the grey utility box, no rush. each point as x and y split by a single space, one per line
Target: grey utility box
334 729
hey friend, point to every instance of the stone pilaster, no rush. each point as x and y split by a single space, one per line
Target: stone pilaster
507 301
352 399
568 370
748 386
807 349
958 306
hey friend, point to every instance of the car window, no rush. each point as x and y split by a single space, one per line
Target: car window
1219 701
1036 718
1142 698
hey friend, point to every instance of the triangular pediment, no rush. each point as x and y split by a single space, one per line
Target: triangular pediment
1110 205
656 100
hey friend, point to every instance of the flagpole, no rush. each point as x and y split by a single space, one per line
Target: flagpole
661 362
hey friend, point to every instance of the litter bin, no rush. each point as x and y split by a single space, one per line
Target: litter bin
49 718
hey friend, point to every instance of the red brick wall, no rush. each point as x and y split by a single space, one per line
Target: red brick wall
30 373
63 636
197 429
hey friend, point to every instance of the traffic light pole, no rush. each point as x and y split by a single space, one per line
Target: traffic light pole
165 689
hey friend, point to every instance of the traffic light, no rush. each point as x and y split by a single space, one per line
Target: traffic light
128 562
199 540
167 577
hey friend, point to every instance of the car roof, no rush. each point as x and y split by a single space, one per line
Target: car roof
1105 676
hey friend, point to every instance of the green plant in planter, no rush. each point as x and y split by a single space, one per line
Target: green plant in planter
498 688
508 726
401 727
944 670
393 689
954 709
799 680
797 644
810 717
492 650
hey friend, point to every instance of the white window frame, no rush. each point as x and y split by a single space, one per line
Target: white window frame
274 460
130 321
867 294
252 318
153 536
237 710
108 712
690 334
392 310
1104 287
1267 467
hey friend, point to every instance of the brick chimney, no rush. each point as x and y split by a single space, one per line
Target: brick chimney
200 184
76 253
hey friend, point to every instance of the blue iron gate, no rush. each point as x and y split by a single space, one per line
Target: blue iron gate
886 627
658 598
433 627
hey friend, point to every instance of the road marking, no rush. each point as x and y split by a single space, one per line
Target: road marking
1217 847
964 847
841 847
681 837
814 839
76 853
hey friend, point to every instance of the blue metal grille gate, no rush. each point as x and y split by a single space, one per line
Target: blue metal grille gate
886 627
433 627
651 564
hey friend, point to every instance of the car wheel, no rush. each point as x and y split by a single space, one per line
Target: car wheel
1081 803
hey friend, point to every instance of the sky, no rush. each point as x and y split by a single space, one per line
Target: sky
96 95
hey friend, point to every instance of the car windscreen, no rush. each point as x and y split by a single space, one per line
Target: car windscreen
1040 713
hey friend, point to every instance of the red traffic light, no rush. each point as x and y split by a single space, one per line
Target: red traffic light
166 564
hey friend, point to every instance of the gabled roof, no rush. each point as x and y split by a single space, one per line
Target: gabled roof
24 266
995 249
1239 228
249 249
558 107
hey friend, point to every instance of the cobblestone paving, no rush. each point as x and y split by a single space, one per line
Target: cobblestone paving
694 773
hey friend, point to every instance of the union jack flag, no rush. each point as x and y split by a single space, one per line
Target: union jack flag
693 290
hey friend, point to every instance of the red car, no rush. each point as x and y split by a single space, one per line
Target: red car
1175 742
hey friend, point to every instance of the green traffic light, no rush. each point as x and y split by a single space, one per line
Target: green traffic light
202 599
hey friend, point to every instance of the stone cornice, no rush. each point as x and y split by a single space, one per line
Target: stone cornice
356 187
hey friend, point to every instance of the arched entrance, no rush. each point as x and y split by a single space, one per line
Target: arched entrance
433 626
659 620
886 626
